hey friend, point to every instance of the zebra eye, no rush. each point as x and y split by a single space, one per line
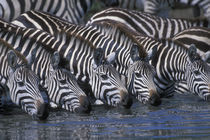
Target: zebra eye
104 77
138 75
21 83
196 72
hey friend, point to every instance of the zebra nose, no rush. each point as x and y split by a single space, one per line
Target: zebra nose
43 111
154 98
126 99
85 106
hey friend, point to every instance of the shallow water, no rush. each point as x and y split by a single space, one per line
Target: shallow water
179 117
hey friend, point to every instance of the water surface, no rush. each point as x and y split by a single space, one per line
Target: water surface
179 117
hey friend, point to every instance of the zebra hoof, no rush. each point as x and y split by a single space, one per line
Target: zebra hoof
85 106
155 100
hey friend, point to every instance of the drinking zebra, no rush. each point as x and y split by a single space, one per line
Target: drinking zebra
176 63
146 24
59 83
94 71
142 85
21 82
71 10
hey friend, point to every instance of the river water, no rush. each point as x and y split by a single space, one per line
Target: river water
179 117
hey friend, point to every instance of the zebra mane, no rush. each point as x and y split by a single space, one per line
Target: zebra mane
9 46
110 25
25 34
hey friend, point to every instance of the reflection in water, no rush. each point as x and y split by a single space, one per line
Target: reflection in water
181 117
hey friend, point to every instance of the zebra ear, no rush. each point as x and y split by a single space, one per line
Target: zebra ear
192 53
55 59
98 56
151 53
12 59
110 59
206 57
32 56
134 53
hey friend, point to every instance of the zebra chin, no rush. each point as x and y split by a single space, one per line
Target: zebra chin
85 105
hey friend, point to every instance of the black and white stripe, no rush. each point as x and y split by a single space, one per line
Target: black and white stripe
176 63
146 24
199 36
71 10
93 70
59 83
21 82
110 40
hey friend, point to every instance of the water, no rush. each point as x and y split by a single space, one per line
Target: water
179 117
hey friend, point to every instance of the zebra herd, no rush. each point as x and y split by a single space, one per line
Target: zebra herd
116 56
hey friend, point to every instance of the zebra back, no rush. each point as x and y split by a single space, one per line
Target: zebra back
71 10
147 24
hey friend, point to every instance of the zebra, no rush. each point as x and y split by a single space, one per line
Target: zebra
178 64
153 6
198 36
94 71
60 84
71 10
21 82
146 24
95 35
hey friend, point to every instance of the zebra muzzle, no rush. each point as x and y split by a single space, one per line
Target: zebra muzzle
126 99
154 98
43 110
85 106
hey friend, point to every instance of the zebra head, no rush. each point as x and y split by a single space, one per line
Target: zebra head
63 89
23 86
105 81
140 78
198 74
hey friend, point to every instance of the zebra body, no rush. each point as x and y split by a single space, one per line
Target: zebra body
146 24
93 71
21 82
153 6
59 83
199 36
71 10
143 88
